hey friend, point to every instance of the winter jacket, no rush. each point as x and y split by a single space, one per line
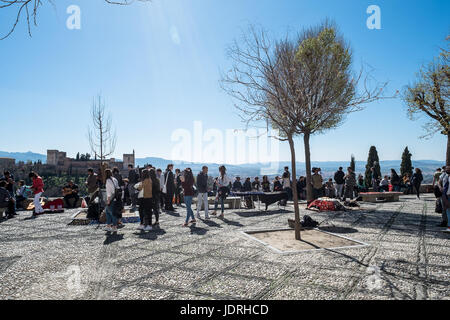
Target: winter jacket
202 182
133 177
339 177
237 186
170 179
417 178
247 186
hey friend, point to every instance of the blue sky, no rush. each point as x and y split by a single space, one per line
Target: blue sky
158 67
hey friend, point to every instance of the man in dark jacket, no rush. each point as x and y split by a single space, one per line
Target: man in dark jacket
169 180
339 180
202 188
237 185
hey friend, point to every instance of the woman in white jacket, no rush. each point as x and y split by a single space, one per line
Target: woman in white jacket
111 185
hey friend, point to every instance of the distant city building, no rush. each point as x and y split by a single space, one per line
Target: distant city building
59 164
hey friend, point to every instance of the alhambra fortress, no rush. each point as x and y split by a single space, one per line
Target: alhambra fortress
59 164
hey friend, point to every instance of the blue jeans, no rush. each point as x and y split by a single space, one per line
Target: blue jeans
216 203
190 213
111 219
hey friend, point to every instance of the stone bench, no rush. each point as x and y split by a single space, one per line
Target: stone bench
232 202
373 196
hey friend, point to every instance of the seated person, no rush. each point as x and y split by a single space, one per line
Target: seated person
384 184
256 185
7 203
301 188
237 185
330 191
265 184
277 186
247 185
22 193
70 191
407 184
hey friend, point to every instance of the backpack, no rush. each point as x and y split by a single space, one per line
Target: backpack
308 222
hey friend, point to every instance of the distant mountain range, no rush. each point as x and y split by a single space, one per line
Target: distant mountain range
24 156
255 169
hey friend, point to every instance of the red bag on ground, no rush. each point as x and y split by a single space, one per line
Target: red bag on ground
57 204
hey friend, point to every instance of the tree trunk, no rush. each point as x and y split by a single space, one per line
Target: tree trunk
447 160
309 191
294 189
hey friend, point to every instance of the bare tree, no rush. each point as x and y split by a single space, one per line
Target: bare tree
29 9
300 87
429 96
102 138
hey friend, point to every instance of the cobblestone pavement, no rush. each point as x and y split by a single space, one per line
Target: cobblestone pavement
407 258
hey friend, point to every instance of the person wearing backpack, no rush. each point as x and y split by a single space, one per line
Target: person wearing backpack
112 190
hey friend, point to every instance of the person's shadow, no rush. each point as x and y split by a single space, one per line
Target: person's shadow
197 231
232 223
112 237
151 235
211 223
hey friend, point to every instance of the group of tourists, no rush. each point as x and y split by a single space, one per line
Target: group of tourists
13 196
441 181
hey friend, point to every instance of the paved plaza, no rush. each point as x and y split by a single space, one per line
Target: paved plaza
407 257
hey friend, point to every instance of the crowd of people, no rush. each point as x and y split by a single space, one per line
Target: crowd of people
152 191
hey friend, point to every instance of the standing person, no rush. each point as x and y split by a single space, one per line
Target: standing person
237 185
202 188
160 200
395 180
112 187
223 183
339 180
169 186
178 187
133 178
91 184
317 183
187 182
444 181
156 190
265 184
118 176
286 177
416 180
140 201
375 179
436 176
350 183
147 199
38 189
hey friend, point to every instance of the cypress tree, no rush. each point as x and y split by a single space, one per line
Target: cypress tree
372 161
352 163
406 165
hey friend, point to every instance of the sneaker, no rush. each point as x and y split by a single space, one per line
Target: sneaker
148 228
198 216
447 230
193 221
207 218
185 224
108 229
141 227
114 229
221 216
